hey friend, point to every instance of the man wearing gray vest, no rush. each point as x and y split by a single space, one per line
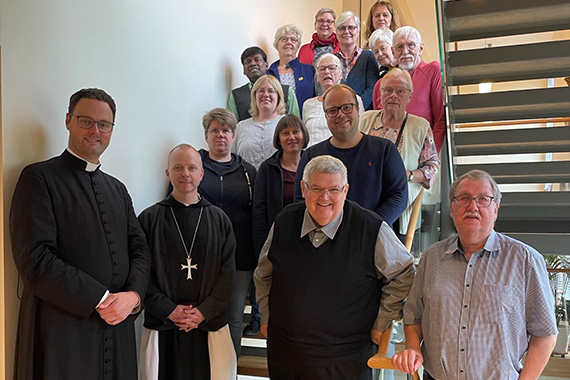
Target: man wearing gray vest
254 62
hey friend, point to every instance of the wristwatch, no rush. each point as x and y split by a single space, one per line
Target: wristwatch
411 176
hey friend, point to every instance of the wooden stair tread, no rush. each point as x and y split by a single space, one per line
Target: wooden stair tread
252 366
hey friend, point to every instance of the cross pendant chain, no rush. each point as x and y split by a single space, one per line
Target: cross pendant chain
188 252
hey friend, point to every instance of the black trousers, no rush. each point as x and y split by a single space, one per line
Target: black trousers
355 370
427 376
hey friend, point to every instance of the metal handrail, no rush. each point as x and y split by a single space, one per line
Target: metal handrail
516 122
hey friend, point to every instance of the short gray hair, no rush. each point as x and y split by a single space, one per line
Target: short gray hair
345 16
476 175
397 72
407 32
328 55
289 28
384 35
325 164
322 11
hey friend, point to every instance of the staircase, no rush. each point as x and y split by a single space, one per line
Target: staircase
517 132
253 359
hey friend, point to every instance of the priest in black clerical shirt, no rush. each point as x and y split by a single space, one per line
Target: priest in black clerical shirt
81 255
186 333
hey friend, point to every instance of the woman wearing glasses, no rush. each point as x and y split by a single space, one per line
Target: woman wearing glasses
329 73
253 136
359 67
324 39
287 69
411 134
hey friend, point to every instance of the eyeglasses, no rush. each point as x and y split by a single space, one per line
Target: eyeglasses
410 45
215 131
292 39
330 68
86 123
390 90
482 201
350 28
332 192
262 91
345 108
321 21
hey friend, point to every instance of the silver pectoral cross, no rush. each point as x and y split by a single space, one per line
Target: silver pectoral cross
189 266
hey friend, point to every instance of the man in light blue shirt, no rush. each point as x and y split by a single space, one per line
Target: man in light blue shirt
480 300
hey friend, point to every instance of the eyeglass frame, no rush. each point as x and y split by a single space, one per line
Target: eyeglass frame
321 21
223 132
336 110
97 123
399 91
400 47
332 68
350 28
332 192
477 200
285 39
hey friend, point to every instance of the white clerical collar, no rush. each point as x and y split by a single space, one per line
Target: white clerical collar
89 167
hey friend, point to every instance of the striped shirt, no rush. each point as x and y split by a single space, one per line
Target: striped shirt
477 315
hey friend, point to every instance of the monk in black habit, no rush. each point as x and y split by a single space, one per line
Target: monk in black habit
82 257
186 333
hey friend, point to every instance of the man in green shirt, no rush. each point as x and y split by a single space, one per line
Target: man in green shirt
254 62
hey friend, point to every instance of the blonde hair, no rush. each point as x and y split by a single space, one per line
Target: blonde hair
280 109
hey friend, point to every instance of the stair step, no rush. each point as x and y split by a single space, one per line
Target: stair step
474 19
531 212
252 366
509 63
523 172
531 225
509 141
511 105
537 198
545 243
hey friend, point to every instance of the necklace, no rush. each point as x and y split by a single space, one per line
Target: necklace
188 265
400 131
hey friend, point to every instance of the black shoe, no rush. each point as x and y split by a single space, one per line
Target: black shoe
252 327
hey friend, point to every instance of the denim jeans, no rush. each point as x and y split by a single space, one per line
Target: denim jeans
236 306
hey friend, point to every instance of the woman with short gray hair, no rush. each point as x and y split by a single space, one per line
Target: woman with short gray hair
324 39
360 69
329 73
287 69
381 45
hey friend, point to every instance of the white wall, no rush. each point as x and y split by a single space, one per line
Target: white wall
164 62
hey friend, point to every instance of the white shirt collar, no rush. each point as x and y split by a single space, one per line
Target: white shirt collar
89 167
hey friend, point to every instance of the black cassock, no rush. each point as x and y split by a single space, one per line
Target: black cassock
74 236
